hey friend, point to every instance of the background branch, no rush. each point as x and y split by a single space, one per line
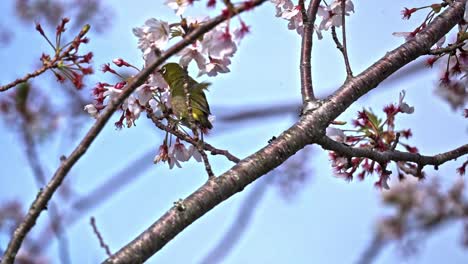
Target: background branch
239 225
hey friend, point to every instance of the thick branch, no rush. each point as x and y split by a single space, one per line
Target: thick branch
306 51
311 125
45 194
383 157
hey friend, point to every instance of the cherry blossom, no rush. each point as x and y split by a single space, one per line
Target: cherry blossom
153 35
294 16
332 14
92 110
216 66
241 32
192 52
179 152
404 107
335 134
132 109
195 153
218 44
179 6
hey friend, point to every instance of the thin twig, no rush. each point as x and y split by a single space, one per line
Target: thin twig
45 195
190 140
449 49
102 243
342 49
28 76
395 143
349 72
205 161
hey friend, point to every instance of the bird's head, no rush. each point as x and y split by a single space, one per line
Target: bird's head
170 69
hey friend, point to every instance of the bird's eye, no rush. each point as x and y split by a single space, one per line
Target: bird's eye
163 70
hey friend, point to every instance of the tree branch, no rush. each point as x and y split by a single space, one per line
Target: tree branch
45 194
307 89
52 64
383 157
306 131
450 48
187 138
349 72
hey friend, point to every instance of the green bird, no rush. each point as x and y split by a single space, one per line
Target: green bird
177 78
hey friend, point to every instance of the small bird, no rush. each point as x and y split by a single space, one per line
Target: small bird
177 78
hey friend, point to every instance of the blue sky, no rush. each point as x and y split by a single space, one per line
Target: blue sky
327 221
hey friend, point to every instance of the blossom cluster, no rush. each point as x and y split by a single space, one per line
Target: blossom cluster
378 134
422 208
211 54
453 82
66 63
331 14
176 153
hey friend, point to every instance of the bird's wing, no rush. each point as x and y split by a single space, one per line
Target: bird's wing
199 98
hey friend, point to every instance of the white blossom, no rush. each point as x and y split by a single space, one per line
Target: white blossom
195 154
178 6
192 52
155 107
404 107
407 35
335 134
91 109
332 14
132 105
179 152
218 44
144 93
294 16
112 92
215 66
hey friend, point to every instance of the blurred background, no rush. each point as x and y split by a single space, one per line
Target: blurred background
299 213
